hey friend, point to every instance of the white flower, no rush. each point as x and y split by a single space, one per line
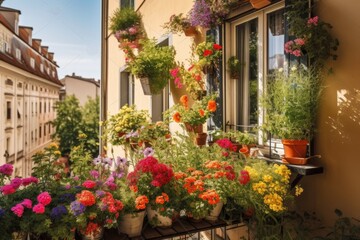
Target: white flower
281 70
293 68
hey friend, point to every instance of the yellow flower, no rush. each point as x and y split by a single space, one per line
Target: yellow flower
57 152
267 178
283 171
274 201
298 190
101 123
259 187
53 145
252 172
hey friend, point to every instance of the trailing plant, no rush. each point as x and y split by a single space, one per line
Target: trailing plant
177 23
234 67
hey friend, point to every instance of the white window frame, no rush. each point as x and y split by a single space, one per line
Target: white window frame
18 53
32 62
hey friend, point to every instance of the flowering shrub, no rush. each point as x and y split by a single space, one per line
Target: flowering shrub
209 53
177 23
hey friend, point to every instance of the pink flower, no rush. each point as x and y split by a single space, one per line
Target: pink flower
296 53
18 210
26 181
313 21
288 46
89 184
94 173
133 30
178 83
39 208
174 72
67 186
44 198
16 182
76 178
299 41
7 189
27 203
6 169
34 180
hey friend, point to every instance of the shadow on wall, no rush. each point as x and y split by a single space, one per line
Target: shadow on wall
347 116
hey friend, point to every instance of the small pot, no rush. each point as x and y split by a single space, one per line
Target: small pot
201 139
190 31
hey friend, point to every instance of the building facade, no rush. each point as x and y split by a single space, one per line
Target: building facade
263 29
90 88
29 88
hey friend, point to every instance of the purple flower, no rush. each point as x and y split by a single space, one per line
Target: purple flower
200 14
120 161
67 198
6 169
77 208
16 182
58 212
99 193
2 212
94 173
148 152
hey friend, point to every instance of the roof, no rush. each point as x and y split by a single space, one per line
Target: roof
90 80
9 9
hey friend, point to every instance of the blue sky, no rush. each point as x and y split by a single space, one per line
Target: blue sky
70 28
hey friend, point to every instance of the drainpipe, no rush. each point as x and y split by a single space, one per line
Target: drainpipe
104 70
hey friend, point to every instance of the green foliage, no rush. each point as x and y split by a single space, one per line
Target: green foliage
177 23
291 103
81 159
90 125
124 18
73 120
320 45
154 62
234 67
67 123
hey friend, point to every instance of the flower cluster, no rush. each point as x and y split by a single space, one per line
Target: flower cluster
209 53
294 47
195 115
208 14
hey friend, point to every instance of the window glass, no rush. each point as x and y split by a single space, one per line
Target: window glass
275 40
127 3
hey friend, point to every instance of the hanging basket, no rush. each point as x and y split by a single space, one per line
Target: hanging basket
259 3
131 224
214 214
190 31
145 83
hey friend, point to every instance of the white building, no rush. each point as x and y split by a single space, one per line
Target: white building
81 87
29 88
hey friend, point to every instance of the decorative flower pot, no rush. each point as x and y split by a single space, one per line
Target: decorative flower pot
259 3
201 139
190 31
214 214
97 234
209 69
194 128
156 219
131 224
295 148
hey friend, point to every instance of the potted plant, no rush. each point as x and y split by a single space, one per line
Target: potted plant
152 65
180 24
209 54
291 103
125 23
234 67
124 125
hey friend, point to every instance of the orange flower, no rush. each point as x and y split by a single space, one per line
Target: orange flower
190 169
213 165
179 175
202 112
184 100
177 117
166 197
134 188
140 202
160 200
197 77
219 174
197 173
211 106
86 198
210 196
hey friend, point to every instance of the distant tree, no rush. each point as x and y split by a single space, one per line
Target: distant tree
67 123
90 125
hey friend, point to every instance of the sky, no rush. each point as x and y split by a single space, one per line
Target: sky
70 28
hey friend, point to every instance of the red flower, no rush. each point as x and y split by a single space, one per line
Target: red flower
86 198
217 46
177 117
89 184
207 52
244 177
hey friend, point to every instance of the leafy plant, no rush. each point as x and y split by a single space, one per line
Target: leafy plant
234 67
125 24
153 62
291 103
177 23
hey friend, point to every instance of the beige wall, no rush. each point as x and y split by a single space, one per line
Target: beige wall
82 89
339 122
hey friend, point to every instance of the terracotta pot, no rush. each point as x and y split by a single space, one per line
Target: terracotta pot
259 3
295 148
131 224
192 128
214 214
201 139
190 31
95 235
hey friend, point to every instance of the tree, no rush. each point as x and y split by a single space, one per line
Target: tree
90 125
67 123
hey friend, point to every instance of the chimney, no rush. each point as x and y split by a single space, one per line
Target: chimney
28 36
73 74
36 44
51 56
44 50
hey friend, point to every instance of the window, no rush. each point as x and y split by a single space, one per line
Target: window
32 62
44 130
8 110
41 67
44 107
6 47
126 89
36 108
19 85
32 136
9 82
127 3
18 54
40 107
40 131
257 40
49 128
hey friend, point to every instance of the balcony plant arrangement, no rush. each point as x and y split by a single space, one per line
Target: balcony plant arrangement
121 126
152 66
234 67
180 24
156 181
209 55
125 24
291 102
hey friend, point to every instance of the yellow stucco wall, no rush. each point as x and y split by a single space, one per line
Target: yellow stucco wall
338 135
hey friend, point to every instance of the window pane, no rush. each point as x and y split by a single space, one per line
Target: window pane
276 33
247 87
127 3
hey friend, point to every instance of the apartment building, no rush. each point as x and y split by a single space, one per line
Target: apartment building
73 84
29 88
